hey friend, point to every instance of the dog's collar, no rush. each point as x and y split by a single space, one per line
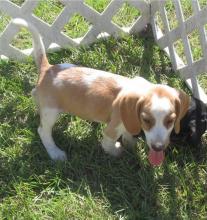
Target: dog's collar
64 66
139 134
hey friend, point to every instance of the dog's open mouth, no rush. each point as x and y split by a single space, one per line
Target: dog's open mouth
156 157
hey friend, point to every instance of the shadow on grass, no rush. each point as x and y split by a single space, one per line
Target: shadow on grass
125 183
132 187
129 184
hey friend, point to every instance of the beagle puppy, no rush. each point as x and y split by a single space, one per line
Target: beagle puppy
126 105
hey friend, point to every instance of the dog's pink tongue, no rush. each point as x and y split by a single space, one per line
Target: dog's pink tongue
156 157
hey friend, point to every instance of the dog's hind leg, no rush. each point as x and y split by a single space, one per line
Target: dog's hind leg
48 117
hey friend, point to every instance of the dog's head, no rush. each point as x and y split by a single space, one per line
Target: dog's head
193 125
156 112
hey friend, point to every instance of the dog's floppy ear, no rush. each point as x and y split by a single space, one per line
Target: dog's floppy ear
129 107
181 107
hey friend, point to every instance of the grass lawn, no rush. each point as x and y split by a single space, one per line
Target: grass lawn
91 184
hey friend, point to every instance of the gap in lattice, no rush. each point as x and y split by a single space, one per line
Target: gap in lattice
98 7
171 14
195 45
22 40
202 3
126 15
205 27
202 79
76 27
159 22
48 10
179 49
4 21
18 2
187 8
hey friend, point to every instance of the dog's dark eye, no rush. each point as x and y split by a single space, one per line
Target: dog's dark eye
146 120
170 121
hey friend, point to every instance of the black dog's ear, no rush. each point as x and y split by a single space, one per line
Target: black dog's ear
197 129
194 139
198 123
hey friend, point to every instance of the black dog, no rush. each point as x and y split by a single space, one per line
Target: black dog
193 125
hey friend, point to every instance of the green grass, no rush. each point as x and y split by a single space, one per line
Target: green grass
91 184
126 15
4 21
76 27
48 10
100 6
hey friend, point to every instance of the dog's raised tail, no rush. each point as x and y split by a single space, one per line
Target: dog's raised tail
38 46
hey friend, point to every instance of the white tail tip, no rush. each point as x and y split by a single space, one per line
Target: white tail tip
20 21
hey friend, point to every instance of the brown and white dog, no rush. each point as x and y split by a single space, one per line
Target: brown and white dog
126 105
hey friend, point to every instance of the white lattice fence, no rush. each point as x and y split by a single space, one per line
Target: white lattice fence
102 25
167 37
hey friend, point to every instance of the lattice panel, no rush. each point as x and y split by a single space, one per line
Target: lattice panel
181 34
169 35
99 24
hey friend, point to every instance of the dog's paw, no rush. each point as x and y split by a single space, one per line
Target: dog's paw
114 150
57 155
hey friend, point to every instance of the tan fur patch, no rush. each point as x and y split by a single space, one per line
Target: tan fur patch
181 106
74 96
130 105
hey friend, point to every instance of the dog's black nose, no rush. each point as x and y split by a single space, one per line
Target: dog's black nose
158 147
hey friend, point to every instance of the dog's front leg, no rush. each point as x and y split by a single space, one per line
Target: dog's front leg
128 140
110 136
